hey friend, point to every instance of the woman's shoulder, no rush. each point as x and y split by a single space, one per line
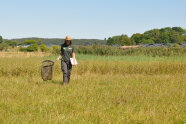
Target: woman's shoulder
63 45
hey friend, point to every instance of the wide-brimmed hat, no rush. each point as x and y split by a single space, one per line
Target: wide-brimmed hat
68 38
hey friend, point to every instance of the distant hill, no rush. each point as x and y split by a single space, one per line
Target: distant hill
58 41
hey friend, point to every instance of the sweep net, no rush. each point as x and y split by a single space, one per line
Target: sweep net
47 70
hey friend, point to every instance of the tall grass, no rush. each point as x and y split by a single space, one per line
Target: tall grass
147 51
101 91
32 67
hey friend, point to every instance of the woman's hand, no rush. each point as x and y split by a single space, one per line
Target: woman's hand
58 58
74 59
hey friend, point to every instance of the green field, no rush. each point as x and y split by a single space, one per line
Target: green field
103 89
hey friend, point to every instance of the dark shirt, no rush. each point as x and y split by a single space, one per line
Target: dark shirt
66 52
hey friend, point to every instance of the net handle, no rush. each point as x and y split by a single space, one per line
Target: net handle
48 61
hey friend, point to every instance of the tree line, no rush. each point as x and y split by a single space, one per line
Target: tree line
163 35
49 42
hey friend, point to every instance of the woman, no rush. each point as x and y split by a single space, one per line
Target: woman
67 52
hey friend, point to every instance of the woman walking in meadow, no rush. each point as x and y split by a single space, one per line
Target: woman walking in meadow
67 52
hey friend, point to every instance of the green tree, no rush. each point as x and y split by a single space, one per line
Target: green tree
175 37
125 40
1 39
165 37
14 43
144 38
39 42
180 30
114 40
110 41
3 46
22 49
136 38
184 38
11 43
55 49
28 42
147 41
154 35
43 47
176 45
32 48
167 29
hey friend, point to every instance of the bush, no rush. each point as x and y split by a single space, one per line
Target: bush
3 46
43 47
55 50
22 49
32 48
176 45
169 45
147 41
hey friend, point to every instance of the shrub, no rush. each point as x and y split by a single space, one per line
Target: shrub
22 49
43 47
3 46
55 50
32 48
176 45
147 41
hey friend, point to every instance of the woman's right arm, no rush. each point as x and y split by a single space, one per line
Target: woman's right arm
59 56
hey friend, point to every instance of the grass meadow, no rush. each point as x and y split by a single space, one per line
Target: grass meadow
103 89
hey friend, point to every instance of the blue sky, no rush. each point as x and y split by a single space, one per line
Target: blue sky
87 18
